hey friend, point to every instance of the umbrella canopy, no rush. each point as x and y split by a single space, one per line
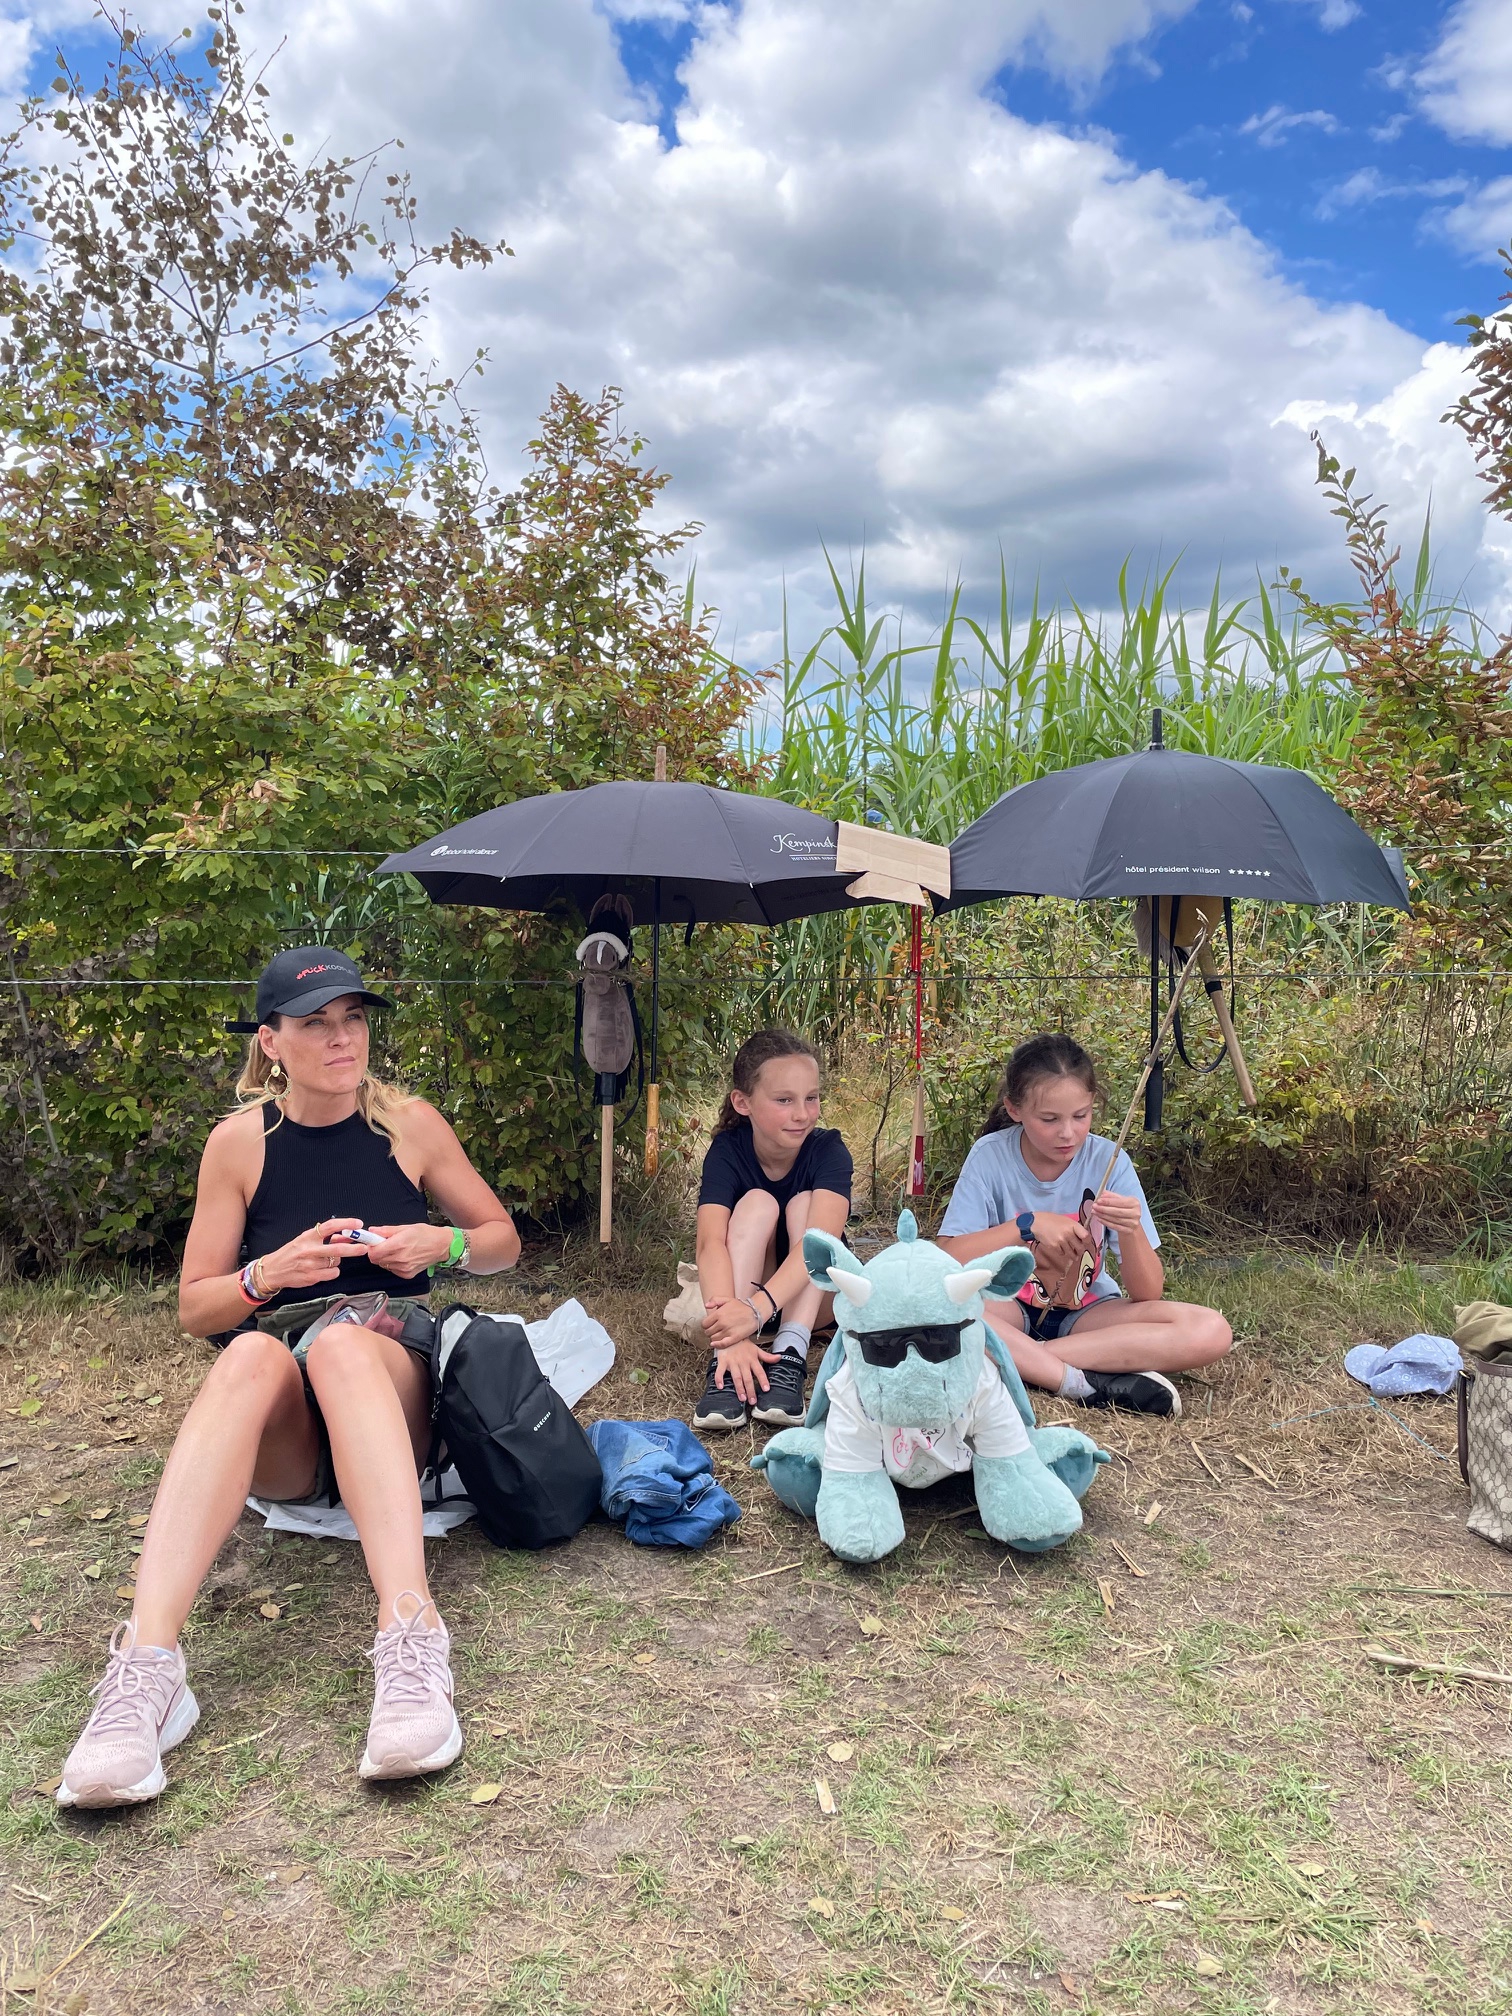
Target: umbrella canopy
682 853
1167 822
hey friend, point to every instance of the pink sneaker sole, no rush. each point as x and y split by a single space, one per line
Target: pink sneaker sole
184 1715
414 1767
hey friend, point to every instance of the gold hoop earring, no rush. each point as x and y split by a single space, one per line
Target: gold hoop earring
278 1079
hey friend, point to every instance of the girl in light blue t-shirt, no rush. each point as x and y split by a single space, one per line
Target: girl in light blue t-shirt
1024 1183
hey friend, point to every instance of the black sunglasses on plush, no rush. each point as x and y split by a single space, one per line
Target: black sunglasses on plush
936 1343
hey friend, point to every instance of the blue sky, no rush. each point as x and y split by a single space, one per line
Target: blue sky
1297 113
1054 282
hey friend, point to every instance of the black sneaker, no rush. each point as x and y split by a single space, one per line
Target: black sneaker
719 1406
781 1406
1135 1392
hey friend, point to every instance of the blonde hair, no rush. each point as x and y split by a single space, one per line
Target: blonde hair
379 1102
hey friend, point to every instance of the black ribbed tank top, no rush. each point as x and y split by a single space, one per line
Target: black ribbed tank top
345 1171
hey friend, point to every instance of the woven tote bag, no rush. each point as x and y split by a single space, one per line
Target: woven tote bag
1485 1449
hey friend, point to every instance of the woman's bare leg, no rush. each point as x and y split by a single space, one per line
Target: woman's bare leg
249 1428
375 1397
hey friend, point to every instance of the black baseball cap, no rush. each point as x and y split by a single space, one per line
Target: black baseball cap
302 981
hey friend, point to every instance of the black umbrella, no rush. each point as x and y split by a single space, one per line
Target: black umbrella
681 853
1165 824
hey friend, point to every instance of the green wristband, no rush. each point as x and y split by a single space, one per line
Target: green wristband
454 1252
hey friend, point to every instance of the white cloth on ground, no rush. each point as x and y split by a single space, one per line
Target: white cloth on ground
573 1350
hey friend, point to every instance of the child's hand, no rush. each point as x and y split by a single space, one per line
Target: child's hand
744 1365
1059 1242
1119 1214
729 1322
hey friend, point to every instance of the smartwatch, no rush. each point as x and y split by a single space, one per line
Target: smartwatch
1025 1224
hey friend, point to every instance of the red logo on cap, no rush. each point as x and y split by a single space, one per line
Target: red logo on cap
306 971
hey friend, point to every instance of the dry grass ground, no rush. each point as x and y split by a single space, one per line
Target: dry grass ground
1152 1772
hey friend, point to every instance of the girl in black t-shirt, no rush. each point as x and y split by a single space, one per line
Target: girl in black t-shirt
770 1173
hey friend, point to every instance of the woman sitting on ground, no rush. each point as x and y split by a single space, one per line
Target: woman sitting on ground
770 1173
321 1151
1023 1183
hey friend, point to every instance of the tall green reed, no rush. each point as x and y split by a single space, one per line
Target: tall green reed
924 735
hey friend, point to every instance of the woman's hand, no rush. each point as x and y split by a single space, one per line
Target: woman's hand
744 1365
307 1260
409 1249
1119 1214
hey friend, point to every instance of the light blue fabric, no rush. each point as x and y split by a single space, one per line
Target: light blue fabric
659 1481
1421 1363
996 1184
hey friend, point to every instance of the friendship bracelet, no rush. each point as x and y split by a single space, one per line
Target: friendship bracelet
761 1288
755 1312
246 1282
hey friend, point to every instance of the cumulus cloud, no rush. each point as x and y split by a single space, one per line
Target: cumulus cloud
859 300
1482 221
1466 84
1413 463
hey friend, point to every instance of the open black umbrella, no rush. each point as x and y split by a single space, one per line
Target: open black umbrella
1165 824
679 853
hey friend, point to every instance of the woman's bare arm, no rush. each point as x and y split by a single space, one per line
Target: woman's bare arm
431 1149
209 1297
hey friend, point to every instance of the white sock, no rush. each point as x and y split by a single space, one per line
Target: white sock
794 1337
1074 1385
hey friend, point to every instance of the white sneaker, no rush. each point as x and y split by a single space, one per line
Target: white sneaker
143 1707
414 1726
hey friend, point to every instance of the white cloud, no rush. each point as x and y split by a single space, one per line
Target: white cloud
1369 185
1409 461
1272 126
1482 222
1333 14
860 300
1466 84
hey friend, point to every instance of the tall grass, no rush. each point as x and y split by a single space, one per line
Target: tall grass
925 735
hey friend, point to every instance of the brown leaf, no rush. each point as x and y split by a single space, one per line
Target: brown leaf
126 1591
93 1572
102 1512
821 1907
840 1753
272 1611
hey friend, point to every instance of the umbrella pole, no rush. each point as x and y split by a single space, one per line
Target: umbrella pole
1154 1091
653 1090
916 1159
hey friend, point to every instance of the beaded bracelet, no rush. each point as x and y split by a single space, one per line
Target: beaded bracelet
246 1281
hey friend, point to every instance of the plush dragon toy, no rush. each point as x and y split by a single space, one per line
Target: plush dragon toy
915 1387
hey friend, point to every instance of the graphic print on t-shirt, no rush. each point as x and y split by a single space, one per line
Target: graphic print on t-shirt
1038 1294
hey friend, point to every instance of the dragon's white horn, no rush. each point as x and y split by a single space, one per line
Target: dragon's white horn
855 1287
961 1287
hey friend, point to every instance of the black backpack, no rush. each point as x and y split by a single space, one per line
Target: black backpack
523 1460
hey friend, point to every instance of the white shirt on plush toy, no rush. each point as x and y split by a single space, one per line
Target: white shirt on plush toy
853 1442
